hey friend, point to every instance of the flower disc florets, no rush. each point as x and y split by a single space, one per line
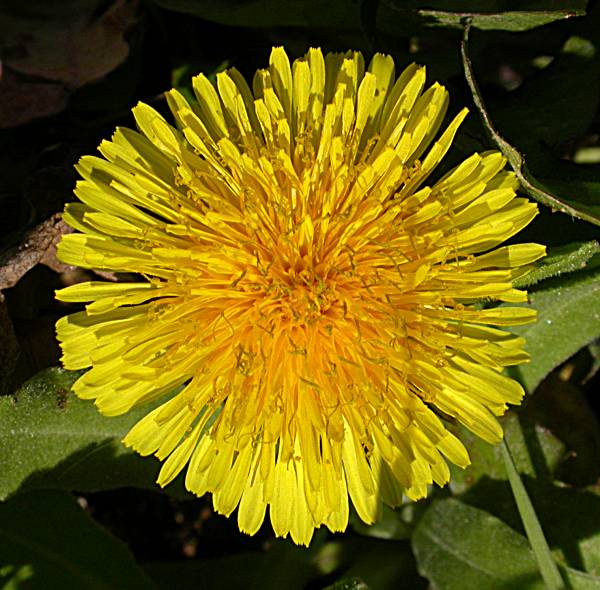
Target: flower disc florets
305 312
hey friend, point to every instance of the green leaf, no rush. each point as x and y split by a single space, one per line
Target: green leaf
341 14
560 260
386 565
521 20
529 184
224 573
570 517
459 547
539 113
381 565
555 407
588 192
349 584
288 566
486 459
282 565
568 319
390 526
346 14
48 539
544 443
51 439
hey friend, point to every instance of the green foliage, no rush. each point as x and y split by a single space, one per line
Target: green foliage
569 306
507 20
348 584
459 547
486 459
532 69
269 13
529 184
51 439
48 542
346 14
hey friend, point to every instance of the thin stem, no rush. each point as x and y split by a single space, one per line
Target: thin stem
535 534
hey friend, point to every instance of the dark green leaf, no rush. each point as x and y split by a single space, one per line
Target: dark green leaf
543 442
234 571
288 566
48 539
282 565
346 14
270 13
570 518
529 184
568 319
349 584
514 21
539 113
585 193
51 439
390 526
486 459
385 565
555 407
459 547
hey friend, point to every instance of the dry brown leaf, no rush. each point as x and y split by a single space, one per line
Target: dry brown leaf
69 44
22 100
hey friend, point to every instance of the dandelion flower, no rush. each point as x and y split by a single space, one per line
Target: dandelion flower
304 302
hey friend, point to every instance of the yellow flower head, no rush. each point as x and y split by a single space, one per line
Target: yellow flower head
304 307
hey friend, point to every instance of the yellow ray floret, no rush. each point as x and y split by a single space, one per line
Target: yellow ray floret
305 301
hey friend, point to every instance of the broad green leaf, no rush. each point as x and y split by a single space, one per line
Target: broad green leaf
459 547
386 565
348 15
500 15
349 584
378 565
269 13
51 439
282 565
486 459
513 21
224 573
288 566
569 517
540 112
46 538
390 525
529 184
543 441
560 260
555 407
587 193
568 319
